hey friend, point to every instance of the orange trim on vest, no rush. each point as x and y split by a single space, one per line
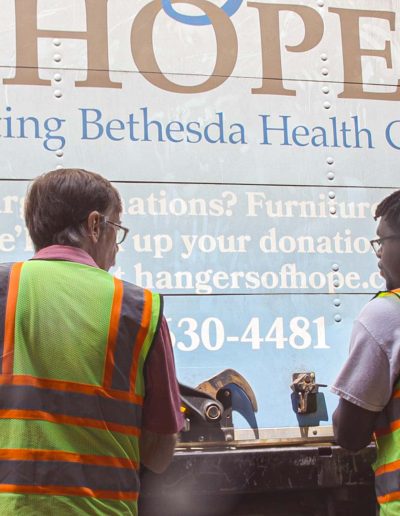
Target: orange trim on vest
55 455
113 332
387 468
390 497
69 491
387 292
9 328
141 336
388 430
68 420
60 385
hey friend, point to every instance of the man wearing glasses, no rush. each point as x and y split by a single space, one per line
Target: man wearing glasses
87 379
369 383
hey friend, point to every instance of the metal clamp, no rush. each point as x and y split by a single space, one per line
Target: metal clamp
305 387
208 408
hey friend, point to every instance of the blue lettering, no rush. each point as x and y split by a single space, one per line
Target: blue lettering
319 133
86 122
49 135
388 134
266 129
220 130
119 126
359 131
196 133
169 129
298 132
147 123
240 133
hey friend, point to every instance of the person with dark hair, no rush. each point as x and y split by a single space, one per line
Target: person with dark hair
369 382
87 383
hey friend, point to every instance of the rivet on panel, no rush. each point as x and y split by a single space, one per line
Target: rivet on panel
57 77
332 195
325 90
327 105
57 58
338 317
58 93
324 57
56 42
320 3
325 71
331 176
330 160
332 210
59 153
336 283
337 302
335 267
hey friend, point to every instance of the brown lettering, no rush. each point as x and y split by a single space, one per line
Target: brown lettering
352 53
96 36
272 82
144 56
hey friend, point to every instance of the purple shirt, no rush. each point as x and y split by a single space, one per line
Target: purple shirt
372 369
161 408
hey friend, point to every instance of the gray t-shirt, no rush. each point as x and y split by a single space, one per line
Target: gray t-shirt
373 366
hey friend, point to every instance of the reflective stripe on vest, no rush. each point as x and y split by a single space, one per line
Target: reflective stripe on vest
9 320
85 416
387 434
5 269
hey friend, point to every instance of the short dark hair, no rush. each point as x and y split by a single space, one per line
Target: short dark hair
389 208
59 202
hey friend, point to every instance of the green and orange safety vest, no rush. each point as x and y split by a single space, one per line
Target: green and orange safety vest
387 464
74 342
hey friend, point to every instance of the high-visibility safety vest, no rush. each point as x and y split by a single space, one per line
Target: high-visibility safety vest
74 342
387 436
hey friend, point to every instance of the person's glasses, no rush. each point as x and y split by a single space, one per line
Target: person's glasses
377 242
121 231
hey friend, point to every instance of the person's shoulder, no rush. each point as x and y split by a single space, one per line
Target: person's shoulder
381 306
5 268
381 316
128 284
131 287
134 290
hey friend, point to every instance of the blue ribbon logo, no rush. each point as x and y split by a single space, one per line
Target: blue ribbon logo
229 7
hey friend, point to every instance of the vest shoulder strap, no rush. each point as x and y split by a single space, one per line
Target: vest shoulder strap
385 293
140 313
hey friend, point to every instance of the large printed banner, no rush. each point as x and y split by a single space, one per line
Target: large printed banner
197 239
250 141
202 90
257 279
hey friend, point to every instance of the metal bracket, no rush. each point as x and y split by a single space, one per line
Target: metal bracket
208 408
306 389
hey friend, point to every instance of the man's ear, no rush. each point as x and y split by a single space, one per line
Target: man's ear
94 221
